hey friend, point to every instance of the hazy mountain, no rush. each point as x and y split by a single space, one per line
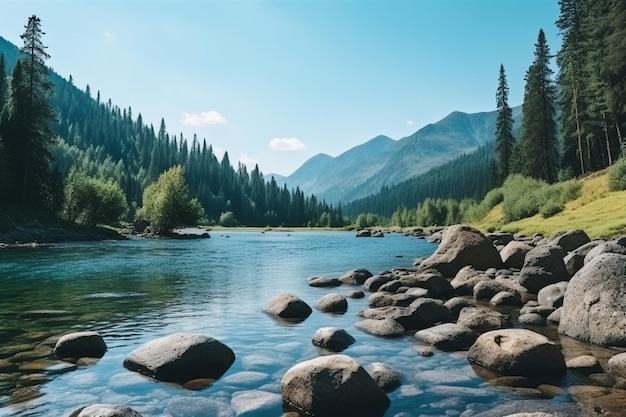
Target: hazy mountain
363 169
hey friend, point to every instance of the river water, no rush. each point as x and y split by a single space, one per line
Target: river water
135 291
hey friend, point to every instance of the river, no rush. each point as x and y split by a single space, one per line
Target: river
137 290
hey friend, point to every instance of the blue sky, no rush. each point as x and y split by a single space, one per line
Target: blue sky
275 82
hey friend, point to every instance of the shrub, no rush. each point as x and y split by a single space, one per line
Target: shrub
550 208
522 197
478 212
228 219
617 175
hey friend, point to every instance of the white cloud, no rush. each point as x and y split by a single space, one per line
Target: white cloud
248 160
204 118
410 122
286 144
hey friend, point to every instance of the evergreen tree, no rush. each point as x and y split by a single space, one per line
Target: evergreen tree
504 140
538 150
28 134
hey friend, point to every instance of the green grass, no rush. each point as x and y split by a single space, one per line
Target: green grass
599 212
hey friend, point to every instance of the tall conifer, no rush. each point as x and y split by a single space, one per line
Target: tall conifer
504 141
538 151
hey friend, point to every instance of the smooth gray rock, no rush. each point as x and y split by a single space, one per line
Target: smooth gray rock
288 307
387 378
433 281
374 282
181 358
486 290
571 240
518 352
514 253
323 282
594 307
555 316
617 365
422 313
586 364
355 294
332 338
543 266
383 328
332 303
465 280
553 294
355 276
448 336
333 386
483 318
462 245
105 410
533 319
506 298
74 346
456 304
605 247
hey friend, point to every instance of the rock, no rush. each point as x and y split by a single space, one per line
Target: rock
355 294
514 253
422 313
543 311
486 290
434 282
181 358
332 303
499 238
594 307
364 233
555 316
573 262
456 304
333 386
586 364
374 282
387 378
391 286
533 319
465 280
506 298
332 338
383 299
448 336
462 245
254 402
384 327
355 276
74 346
543 266
104 410
571 240
604 247
289 307
483 318
323 282
617 365
552 295
517 352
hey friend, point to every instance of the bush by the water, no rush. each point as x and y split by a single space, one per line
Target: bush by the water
617 175
525 197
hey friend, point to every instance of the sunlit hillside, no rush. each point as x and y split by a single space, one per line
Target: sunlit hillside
599 212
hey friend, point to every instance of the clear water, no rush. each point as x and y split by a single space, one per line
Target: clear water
141 289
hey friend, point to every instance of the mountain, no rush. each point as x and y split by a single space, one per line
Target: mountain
383 161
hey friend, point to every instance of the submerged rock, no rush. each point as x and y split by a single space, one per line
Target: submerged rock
105 410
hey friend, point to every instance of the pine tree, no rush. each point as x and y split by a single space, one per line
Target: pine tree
538 151
504 141
28 133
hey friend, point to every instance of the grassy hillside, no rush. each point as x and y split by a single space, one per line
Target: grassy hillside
599 212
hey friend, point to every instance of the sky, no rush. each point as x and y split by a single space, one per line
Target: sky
276 82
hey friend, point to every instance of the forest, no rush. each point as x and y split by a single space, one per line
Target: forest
57 140
572 124
67 151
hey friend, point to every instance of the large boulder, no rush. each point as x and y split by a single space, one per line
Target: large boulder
105 410
517 352
462 245
74 346
333 386
594 306
332 338
543 266
355 276
448 336
181 358
288 307
332 303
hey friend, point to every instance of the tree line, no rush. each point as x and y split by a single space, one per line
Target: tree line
54 135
